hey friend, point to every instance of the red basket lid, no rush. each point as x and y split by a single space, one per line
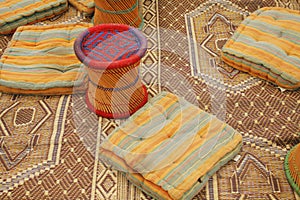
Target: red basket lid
108 46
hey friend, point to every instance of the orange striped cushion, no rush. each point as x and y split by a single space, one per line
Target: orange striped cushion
267 45
15 13
169 148
41 60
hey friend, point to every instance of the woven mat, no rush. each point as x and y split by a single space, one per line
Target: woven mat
49 145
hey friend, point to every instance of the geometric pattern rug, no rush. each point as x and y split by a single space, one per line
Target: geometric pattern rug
49 144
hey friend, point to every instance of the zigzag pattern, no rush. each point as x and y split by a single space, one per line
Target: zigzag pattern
110 45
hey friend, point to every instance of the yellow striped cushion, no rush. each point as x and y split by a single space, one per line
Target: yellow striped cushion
267 45
41 60
170 148
85 6
15 13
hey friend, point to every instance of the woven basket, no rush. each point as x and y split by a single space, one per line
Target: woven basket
292 168
112 54
120 11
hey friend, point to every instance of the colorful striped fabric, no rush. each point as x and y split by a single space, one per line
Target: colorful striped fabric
267 45
85 6
41 60
170 148
15 13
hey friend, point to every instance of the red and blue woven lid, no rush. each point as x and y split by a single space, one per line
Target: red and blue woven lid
108 46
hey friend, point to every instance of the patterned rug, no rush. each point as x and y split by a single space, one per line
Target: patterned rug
49 145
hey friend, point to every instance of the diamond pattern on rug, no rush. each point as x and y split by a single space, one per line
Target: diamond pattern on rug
266 112
69 176
258 174
28 149
149 64
252 5
106 184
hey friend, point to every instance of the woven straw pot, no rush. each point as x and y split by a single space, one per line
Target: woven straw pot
292 168
118 11
112 54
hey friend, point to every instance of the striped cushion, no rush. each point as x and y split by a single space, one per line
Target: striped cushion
84 6
41 60
169 148
15 13
267 45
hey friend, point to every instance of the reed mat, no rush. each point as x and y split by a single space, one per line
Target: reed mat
49 145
